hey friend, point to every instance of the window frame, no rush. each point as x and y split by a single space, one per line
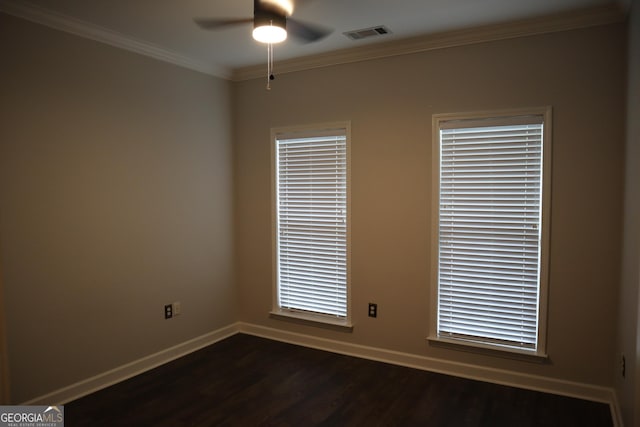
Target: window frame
277 312
540 352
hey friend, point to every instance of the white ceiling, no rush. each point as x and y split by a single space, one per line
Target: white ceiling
167 28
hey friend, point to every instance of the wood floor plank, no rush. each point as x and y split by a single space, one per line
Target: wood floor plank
251 381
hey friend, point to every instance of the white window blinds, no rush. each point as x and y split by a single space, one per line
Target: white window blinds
490 230
311 181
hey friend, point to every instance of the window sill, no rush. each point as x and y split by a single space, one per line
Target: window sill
311 319
487 349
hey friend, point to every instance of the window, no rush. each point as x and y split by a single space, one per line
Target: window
491 210
311 223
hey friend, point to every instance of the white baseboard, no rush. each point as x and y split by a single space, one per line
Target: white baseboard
474 372
498 376
121 373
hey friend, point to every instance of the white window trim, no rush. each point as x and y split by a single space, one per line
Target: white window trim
541 351
294 315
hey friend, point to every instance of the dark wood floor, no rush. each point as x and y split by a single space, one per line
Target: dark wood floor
250 381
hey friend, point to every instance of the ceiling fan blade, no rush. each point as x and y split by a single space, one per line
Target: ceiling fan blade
297 3
214 24
306 32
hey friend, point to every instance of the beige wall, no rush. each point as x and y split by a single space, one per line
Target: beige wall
390 103
629 320
115 198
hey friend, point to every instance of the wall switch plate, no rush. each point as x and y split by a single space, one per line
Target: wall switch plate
177 308
168 311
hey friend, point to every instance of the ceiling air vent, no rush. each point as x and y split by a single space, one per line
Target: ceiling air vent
367 32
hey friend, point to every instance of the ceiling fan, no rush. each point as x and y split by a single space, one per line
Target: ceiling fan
272 22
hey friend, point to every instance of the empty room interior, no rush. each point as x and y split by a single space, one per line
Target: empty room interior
141 187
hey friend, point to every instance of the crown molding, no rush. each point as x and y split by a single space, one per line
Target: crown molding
58 21
601 15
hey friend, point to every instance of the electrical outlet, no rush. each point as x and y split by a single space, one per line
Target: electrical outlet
623 366
177 308
168 311
373 310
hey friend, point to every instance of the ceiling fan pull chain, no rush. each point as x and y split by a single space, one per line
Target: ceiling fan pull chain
270 75
269 53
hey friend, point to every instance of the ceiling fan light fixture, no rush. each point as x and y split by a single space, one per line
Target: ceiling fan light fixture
269 33
269 26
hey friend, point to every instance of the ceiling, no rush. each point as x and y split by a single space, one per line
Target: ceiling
165 28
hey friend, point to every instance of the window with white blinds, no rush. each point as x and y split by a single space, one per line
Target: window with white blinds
311 222
490 269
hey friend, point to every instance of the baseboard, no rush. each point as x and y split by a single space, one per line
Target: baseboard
616 411
124 372
474 372
492 375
